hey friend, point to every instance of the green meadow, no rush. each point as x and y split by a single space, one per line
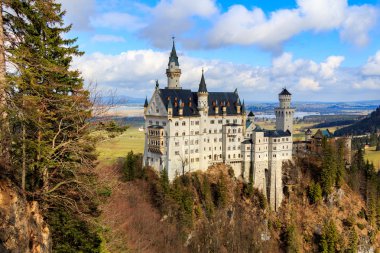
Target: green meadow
110 149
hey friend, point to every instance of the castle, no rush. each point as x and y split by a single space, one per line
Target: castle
188 131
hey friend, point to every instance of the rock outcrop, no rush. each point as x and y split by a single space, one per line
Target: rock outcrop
22 228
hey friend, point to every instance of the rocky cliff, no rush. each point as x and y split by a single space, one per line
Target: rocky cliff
22 228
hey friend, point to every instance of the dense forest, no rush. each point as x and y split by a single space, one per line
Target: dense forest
329 207
369 124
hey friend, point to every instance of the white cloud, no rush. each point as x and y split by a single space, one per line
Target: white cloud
306 84
134 72
107 38
174 17
372 67
245 27
330 65
359 20
369 84
117 20
78 12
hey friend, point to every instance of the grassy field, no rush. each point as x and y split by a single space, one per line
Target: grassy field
111 149
373 156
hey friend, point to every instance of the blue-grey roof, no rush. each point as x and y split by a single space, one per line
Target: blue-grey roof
190 100
146 102
250 114
248 123
173 56
202 84
285 92
276 133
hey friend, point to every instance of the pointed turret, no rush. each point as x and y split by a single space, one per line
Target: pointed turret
173 58
202 84
202 95
173 72
243 108
146 105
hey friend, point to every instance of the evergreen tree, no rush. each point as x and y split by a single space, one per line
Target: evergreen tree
47 108
329 237
328 170
340 164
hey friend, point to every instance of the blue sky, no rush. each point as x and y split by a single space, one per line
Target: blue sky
322 50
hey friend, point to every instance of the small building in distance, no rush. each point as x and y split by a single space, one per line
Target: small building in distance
313 143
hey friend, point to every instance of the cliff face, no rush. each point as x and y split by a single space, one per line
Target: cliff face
22 228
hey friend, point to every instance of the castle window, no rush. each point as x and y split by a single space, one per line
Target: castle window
259 156
234 156
197 159
274 140
186 151
176 144
150 122
157 123
239 130
209 131
215 139
192 123
177 152
215 131
186 142
209 157
176 124
196 122
220 121
183 123
227 121
196 132
204 130
229 156
183 134
164 123
212 121
176 134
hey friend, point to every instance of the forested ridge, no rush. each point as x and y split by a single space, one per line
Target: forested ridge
367 125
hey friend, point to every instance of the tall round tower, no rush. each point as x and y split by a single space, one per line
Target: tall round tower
173 72
284 113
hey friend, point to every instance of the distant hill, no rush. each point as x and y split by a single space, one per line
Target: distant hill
367 125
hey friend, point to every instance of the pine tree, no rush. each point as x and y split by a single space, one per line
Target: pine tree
329 237
340 164
328 170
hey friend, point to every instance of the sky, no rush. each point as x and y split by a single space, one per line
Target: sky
320 50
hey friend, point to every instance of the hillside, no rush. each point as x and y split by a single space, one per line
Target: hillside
213 212
367 125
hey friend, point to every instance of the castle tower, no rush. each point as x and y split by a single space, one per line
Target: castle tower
203 95
173 72
145 105
284 113
203 111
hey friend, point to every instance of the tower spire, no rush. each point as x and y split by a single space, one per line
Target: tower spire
173 72
202 84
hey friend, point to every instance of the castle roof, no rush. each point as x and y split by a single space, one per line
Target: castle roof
190 101
251 114
146 102
322 133
276 133
285 92
202 84
173 56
